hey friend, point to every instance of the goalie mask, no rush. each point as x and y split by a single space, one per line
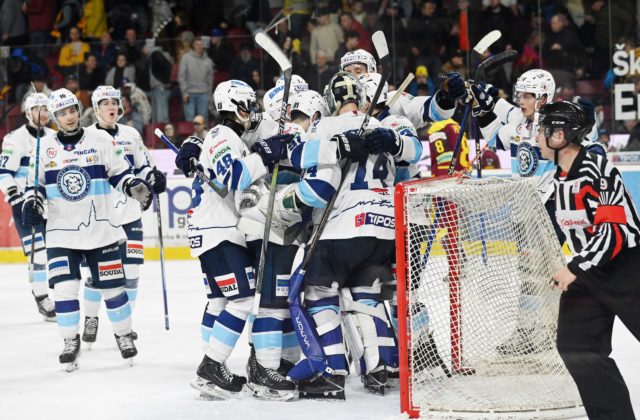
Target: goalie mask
537 82
342 89
359 57
565 116
35 100
309 103
106 92
62 99
370 82
235 96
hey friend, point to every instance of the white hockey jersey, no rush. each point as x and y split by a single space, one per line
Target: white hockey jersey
364 206
128 140
212 219
17 147
266 128
77 182
419 109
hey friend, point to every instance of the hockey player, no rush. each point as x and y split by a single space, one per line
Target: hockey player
442 141
14 166
272 100
358 62
76 173
107 107
213 236
602 227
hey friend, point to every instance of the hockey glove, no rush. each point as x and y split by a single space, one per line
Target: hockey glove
158 181
485 97
381 140
16 200
452 89
588 109
272 149
350 145
32 211
140 190
190 148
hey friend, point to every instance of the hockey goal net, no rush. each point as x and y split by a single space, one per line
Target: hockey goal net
477 317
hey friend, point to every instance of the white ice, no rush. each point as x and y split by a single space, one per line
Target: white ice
33 385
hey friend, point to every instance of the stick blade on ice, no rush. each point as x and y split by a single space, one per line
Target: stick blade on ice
269 45
380 44
487 41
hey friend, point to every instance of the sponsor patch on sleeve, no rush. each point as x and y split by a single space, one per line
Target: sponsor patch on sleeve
110 270
58 266
282 285
228 284
251 277
135 249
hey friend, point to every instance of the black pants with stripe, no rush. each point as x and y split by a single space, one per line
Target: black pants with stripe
585 324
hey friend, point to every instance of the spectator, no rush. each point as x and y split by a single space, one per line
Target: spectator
105 52
184 44
195 76
530 59
326 36
72 53
94 19
22 66
68 17
161 16
90 75
603 138
422 81
243 65
299 57
298 12
132 48
39 82
160 64
122 70
131 116
390 23
489 160
455 64
321 72
498 16
562 48
357 11
220 52
348 23
427 26
71 83
13 23
40 17
256 82
633 128
138 100
200 126
351 43
170 132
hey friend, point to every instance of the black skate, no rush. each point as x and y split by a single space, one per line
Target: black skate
90 330
268 384
127 347
376 381
321 388
70 353
427 357
46 307
134 335
393 378
215 380
285 367
524 342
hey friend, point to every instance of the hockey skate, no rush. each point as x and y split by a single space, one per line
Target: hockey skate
268 384
215 380
321 388
375 381
70 353
525 341
127 347
46 307
90 330
427 358
285 367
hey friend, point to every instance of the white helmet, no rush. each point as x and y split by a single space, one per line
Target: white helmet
359 57
233 96
62 99
298 84
370 82
273 97
34 100
342 88
106 92
538 82
309 102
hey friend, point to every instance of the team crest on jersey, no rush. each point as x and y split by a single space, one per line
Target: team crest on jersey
527 159
73 183
228 284
110 270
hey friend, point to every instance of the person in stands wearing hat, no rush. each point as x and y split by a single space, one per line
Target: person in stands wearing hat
220 52
423 84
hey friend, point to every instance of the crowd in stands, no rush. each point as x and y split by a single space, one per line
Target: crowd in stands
167 56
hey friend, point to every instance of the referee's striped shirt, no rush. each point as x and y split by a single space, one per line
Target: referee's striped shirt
595 212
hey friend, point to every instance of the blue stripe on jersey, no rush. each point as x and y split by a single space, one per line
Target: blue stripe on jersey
289 340
63 306
115 180
309 196
129 159
315 309
224 335
369 302
402 174
140 169
94 171
240 176
272 339
6 173
266 325
22 172
98 187
92 295
363 296
311 151
69 319
287 176
418 147
433 111
234 323
41 189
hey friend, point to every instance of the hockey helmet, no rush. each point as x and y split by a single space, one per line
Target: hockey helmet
234 96
566 116
538 82
309 102
370 82
341 89
106 92
359 57
273 97
34 100
62 99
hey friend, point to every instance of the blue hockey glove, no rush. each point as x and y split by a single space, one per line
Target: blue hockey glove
272 149
350 145
16 200
452 89
32 211
485 97
190 148
140 190
381 140
158 181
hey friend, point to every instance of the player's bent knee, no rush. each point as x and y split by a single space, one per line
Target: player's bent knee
66 290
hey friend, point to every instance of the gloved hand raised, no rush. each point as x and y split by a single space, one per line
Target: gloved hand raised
272 149
190 148
140 190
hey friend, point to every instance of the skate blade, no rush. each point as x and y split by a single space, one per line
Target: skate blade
323 396
88 346
50 319
70 367
130 361
211 390
263 393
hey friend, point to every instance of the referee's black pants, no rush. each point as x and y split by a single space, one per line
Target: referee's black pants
585 324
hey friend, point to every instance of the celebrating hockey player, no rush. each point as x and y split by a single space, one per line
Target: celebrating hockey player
600 282
107 106
17 146
75 173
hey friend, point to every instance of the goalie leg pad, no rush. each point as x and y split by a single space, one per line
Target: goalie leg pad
290 346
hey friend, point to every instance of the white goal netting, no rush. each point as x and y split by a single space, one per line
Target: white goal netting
474 261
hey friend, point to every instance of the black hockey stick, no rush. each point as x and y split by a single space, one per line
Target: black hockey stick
277 54
36 185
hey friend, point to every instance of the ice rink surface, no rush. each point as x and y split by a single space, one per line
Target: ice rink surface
33 385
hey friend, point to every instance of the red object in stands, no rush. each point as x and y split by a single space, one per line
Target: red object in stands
589 88
150 139
184 128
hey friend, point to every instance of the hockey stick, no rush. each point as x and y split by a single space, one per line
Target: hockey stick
403 86
222 191
277 54
161 240
36 185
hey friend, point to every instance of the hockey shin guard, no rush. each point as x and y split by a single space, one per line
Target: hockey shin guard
118 310
67 307
227 328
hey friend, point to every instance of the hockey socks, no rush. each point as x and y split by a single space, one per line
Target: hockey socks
67 307
92 299
211 312
118 310
227 328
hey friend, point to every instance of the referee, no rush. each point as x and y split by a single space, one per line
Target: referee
602 281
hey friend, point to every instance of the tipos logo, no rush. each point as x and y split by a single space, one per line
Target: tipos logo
110 270
73 183
375 219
